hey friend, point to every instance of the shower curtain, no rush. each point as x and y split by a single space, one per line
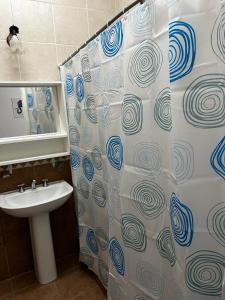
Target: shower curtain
146 111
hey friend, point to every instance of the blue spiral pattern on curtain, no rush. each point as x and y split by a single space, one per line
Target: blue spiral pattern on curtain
102 238
96 157
217 38
182 222
132 114
74 135
69 85
99 193
91 241
74 159
162 110
217 158
204 272
182 49
85 66
149 198
83 187
77 113
203 103
216 223
114 151
182 160
112 39
147 156
80 87
133 233
117 256
88 168
86 257
165 245
90 109
145 64
149 277
48 96
103 272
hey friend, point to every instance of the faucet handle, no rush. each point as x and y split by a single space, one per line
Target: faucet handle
45 182
21 188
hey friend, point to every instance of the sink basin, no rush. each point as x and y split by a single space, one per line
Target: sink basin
36 205
35 202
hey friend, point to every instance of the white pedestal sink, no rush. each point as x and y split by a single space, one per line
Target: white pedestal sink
36 205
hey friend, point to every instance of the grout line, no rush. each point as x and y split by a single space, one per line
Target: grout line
54 33
87 18
18 61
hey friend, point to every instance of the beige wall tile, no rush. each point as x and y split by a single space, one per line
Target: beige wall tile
47 1
38 62
74 3
98 19
70 25
50 31
128 2
118 5
9 69
6 18
108 5
34 20
64 52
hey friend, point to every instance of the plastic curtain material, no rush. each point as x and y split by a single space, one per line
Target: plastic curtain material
40 110
146 110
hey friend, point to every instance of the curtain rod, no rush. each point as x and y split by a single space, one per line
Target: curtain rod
103 28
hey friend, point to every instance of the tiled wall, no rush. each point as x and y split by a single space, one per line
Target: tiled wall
50 31
15 246
120 4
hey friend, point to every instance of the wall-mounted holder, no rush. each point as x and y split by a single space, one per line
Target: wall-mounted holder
13 39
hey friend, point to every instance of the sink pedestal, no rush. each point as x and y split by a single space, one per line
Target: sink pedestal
42 245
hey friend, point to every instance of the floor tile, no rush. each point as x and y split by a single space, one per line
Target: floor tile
5 288
76 283
44 292
91 293
23 281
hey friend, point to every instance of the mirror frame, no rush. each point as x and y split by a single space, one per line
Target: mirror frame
21 149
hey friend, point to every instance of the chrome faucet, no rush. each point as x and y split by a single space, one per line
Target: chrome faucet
45 182
21 188
33 184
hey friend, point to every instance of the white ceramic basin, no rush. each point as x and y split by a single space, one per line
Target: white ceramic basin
36 205
35 202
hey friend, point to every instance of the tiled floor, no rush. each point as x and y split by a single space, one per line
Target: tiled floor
75 282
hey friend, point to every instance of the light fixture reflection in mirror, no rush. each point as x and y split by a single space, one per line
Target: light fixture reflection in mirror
28 111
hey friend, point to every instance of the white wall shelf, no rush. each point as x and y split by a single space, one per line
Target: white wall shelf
29 83
24 160
21 149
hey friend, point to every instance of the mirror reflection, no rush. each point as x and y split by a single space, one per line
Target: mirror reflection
27 111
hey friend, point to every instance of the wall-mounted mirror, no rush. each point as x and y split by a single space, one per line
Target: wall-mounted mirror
33 121
28 111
